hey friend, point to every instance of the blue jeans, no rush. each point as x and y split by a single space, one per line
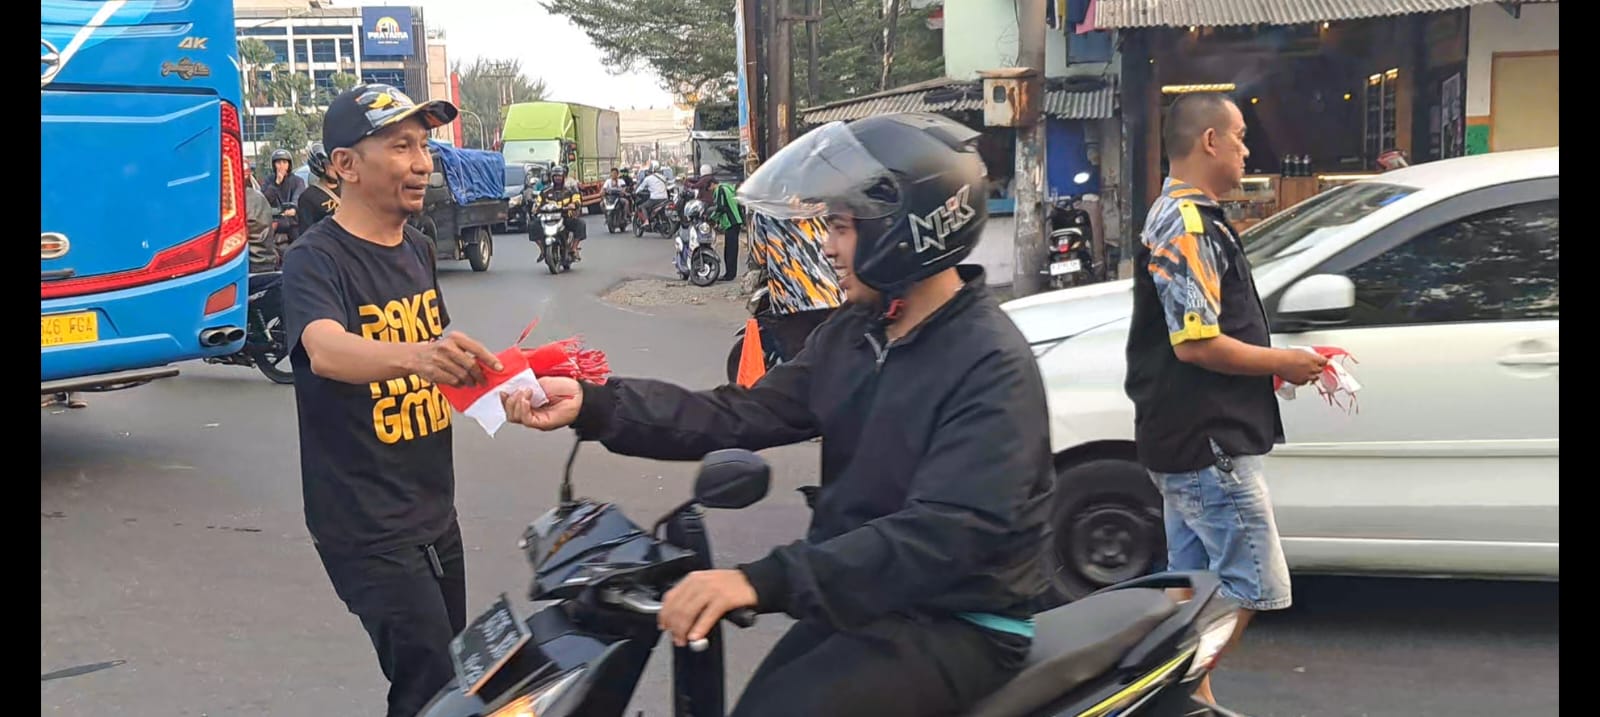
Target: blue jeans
1222 522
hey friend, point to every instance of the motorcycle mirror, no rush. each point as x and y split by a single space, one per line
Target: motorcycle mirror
1080 178
732 479
436 180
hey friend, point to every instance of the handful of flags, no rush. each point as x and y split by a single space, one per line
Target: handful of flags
522 368
1336 385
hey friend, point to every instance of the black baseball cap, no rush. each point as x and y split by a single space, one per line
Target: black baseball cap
364 110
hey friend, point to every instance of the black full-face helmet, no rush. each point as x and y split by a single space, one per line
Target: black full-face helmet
317 161
912 182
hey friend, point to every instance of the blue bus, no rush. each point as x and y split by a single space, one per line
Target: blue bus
142 217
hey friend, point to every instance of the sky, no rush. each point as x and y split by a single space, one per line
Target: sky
549 47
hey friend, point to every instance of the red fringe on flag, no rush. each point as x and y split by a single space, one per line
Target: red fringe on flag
569 358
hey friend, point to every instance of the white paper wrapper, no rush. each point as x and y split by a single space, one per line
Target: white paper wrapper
490 413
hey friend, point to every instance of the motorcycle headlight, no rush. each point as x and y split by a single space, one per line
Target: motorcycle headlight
516 200
539 701
705 228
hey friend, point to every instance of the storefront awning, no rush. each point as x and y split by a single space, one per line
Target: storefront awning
1128 14
943 96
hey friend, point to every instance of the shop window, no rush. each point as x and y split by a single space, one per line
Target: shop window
1500 265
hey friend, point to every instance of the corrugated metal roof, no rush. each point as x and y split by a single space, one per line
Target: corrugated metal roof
1113 14
941 96
1091 104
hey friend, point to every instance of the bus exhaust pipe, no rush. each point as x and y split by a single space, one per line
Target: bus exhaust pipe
221 336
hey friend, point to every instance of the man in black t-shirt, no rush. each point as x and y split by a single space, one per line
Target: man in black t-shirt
366 323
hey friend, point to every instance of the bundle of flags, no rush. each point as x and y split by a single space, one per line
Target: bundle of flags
521 369
1335 385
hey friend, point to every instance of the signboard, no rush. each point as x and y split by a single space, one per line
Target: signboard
745 142
386 32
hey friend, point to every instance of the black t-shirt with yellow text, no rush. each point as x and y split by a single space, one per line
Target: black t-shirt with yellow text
375 459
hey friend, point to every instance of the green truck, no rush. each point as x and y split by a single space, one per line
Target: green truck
585 139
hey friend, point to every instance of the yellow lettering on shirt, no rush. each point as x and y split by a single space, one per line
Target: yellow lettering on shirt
404 409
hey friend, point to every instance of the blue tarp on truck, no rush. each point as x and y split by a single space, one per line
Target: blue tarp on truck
473 175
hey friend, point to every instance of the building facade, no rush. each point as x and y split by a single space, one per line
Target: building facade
309 38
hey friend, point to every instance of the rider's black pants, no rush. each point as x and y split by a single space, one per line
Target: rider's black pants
410 611
895 667
730 253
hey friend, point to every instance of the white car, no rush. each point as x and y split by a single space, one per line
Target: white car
1442 281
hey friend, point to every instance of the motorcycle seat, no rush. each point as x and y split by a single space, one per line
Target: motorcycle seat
264 280
1076 643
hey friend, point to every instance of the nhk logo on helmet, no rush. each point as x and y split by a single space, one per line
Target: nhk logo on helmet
931 230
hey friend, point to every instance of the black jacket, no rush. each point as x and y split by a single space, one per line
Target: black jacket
286 194
936 466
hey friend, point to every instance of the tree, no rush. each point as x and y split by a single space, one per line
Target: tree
689 43
488 87
857 52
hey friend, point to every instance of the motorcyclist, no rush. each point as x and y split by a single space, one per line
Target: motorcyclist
655 190
702 183
619 183
565 194
283 191
321 199
912 588
258 226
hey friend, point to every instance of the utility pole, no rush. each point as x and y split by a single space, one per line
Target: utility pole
813 82
1027 277
780 89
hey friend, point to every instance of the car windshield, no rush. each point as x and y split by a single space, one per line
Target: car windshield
515 175
1308 223
543 151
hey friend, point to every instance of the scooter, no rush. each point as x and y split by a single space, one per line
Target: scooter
266 340
1128 650
557 239
616 211
695 258
1070 247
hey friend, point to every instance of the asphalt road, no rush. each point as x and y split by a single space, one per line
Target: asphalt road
177 577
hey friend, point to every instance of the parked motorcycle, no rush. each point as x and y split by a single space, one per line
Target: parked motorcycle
266 340
695 256
616 211
1070 259
552 231
1128 650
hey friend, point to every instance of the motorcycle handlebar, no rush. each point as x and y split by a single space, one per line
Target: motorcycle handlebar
644 604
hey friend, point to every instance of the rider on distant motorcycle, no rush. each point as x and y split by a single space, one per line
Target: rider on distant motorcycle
320 199
656 189
565 195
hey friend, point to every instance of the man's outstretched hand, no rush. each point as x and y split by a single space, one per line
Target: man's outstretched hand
565 398
693 606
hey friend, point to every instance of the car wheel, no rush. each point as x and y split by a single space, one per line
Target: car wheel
1107 528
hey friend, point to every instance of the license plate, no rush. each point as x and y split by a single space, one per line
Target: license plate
1065 267
488 643
63 329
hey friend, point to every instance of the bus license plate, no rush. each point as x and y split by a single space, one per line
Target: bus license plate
1065 267
63 329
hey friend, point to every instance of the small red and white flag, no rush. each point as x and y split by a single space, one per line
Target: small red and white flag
521 369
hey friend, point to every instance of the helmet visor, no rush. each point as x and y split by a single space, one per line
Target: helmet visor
825 172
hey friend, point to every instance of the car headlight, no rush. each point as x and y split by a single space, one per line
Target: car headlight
539 701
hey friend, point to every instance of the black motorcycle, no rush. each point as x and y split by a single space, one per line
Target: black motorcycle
1127 650
662 220
1071 245
266 340
549 230
616 210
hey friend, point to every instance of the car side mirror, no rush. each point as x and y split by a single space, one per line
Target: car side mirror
732 479
1316 300
436 180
